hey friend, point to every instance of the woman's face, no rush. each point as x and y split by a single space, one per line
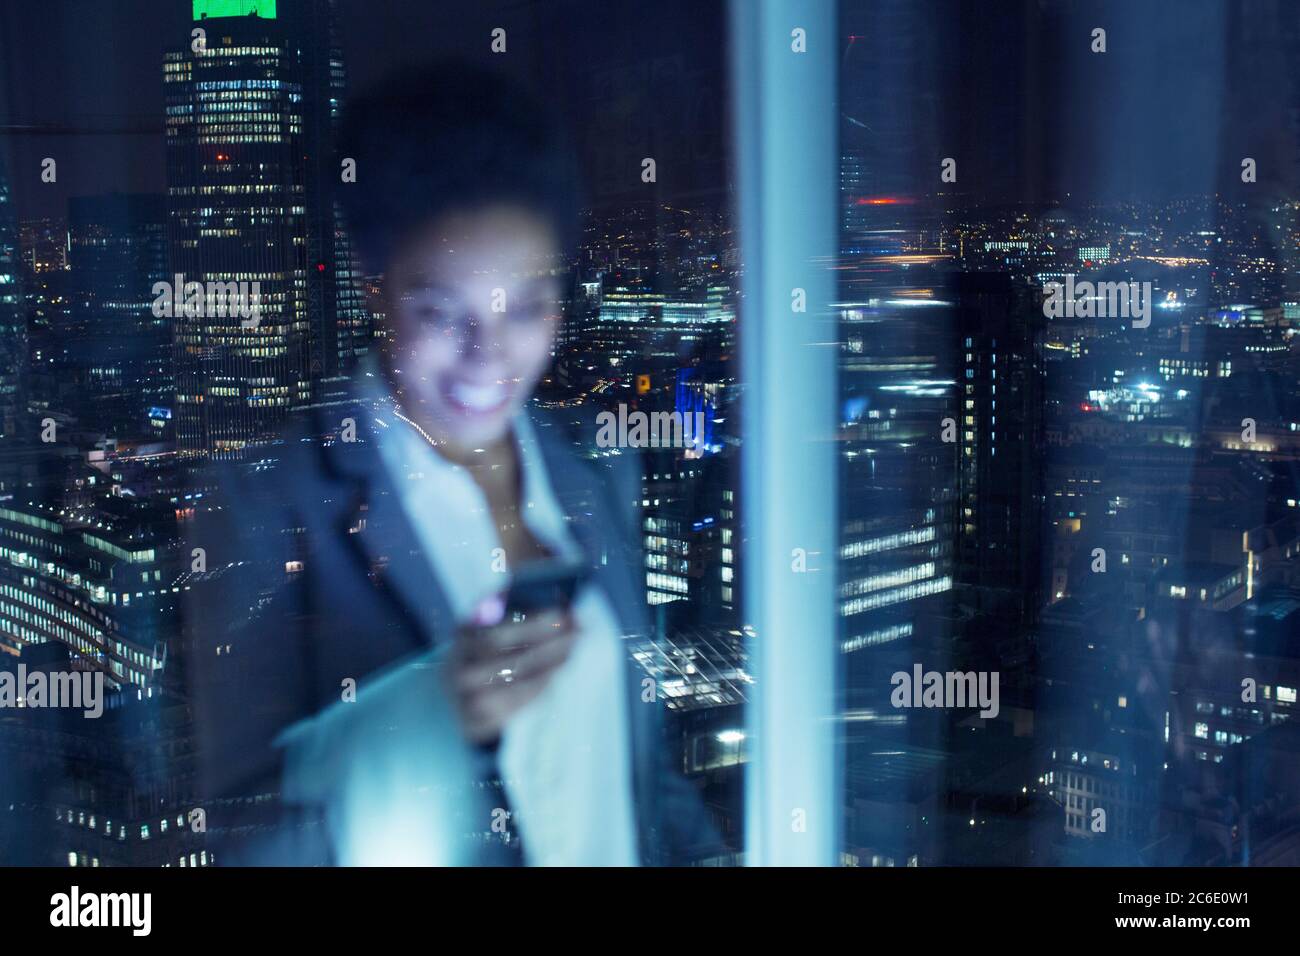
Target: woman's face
471 314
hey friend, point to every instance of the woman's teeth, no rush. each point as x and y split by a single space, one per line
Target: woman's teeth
478 397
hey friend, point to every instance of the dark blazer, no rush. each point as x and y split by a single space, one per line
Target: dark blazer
315 575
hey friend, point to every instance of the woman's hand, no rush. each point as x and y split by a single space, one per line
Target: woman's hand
497 667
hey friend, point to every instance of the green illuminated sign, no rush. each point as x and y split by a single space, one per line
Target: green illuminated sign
234 8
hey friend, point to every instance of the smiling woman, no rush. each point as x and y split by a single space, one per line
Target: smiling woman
367 475
465 198
471 324
450 479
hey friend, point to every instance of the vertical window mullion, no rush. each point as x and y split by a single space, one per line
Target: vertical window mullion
786 155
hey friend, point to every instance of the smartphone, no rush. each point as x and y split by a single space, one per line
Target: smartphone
543 585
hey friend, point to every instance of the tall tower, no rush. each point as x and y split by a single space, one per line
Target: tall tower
339 323
13 323
1001 428
236 213
251 110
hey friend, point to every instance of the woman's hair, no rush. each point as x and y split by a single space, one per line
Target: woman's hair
447 139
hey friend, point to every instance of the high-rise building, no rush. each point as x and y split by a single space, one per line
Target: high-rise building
237 214
99 578
122 356
853 190
898 493
1001 432
251 107
340 329
13 323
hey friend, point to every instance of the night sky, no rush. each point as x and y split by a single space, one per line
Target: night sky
1186 89
1014 91
633 84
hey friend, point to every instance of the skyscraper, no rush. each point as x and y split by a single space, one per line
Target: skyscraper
999 476
13 328
339 324
251 106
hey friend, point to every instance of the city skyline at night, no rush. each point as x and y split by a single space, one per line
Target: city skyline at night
976 542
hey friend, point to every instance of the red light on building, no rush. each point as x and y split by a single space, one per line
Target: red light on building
883 201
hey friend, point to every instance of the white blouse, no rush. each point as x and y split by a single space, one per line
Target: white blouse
398 796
